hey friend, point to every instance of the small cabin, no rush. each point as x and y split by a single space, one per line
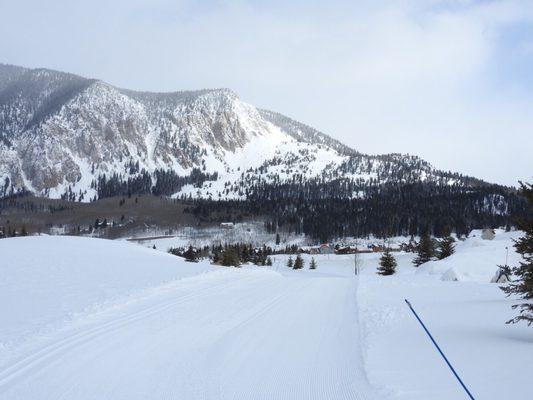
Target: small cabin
345 250
376 248
227 225
325 249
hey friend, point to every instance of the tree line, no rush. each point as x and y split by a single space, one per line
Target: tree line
326 211
164 182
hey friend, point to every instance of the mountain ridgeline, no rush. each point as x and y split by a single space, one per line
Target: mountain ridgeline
64 136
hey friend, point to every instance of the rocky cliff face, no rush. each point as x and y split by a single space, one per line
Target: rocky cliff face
61 132
57 129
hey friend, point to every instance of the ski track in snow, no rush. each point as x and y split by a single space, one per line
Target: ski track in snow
229 334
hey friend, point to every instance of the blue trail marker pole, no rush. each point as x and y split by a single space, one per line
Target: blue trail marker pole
440 351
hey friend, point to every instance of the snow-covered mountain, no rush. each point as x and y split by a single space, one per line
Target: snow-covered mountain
60 134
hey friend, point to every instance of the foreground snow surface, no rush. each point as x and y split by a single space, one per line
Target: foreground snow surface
93 319
229 333
47 280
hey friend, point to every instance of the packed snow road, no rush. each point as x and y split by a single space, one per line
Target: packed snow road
225 334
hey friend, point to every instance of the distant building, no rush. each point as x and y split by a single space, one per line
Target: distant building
488 234
345 249
227 225
325 249
376 248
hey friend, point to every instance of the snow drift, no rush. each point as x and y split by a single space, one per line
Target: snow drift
46 280
475 259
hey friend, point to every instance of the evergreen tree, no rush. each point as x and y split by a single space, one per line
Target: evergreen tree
290 263
24 231
387 264
230 257
446 246
191 255
313 264
425 250
247 255
522 286
269 261
277 238
299 262
216 257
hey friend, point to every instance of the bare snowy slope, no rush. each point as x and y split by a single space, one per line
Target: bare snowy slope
62 277
226 334
91 319
63 135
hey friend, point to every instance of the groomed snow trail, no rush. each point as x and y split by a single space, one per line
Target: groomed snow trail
227 334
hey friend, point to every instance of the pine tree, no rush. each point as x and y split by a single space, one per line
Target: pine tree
522 286
269 261
446 246
313 264
277 238
387 264
216 257
191 255
290 263
230 258
248 255
299 262
425 250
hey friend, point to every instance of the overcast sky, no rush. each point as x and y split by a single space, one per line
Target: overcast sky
450 81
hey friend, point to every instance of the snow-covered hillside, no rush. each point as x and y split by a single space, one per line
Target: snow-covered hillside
58 140
88 318
475 257
60 134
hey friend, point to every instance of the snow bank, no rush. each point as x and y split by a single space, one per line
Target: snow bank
466 317
47 280
468 321
475 259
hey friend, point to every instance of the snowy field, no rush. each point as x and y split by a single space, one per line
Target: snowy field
85 318
467 317
245 232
